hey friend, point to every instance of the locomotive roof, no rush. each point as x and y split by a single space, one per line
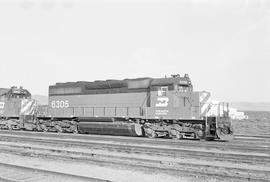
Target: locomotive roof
14 91
3 91
170 81
144 82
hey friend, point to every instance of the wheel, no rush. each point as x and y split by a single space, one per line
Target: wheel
179 136
58 128
150 133
153 134
75 132
9 127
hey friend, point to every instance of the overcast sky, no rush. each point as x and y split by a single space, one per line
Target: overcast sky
223 45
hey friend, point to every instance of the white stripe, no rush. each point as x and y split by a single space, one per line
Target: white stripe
28 107
204 102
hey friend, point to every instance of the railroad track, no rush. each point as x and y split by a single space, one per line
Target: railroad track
18 173
175 165
133 139
252 137
257 136
170 151
238 146
102 137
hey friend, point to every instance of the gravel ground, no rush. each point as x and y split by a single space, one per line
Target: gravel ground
103 172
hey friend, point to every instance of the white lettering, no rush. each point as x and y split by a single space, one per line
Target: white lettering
59 104
162 102
161 112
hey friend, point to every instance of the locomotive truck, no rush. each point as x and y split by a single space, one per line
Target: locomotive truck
153 107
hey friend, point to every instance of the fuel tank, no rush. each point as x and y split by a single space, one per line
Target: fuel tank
111 128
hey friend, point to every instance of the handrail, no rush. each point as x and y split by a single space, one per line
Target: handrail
82 111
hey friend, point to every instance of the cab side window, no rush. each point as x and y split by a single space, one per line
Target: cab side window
183 88
162 91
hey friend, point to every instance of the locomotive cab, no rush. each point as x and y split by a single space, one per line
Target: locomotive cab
173 98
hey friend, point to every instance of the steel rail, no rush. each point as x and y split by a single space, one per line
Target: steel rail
255 137
238 146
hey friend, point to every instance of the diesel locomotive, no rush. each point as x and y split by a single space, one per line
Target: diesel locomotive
153 107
